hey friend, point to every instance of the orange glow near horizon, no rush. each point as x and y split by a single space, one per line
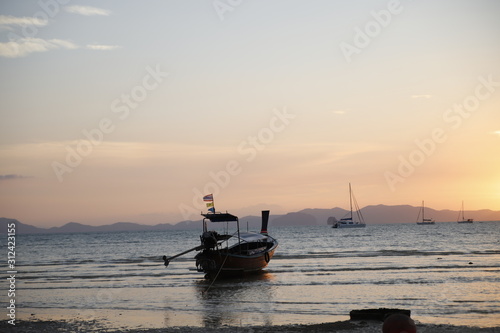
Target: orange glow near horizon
274 114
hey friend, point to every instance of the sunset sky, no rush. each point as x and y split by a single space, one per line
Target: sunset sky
132 111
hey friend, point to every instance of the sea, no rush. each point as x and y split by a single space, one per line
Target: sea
447 273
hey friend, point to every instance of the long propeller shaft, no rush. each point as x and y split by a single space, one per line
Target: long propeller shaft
167 260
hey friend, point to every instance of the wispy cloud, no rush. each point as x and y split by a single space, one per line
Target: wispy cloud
25 46
496 132
8 21
87 10
101 47
12 176
339 112
421 96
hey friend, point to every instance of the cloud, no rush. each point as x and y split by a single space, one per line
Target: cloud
87 10
101 47
496 132
25 46
63 44
421 96
8 21
339 112
13 176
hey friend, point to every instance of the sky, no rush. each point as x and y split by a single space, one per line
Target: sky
133 111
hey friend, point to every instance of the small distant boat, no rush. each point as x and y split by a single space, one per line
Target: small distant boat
349 222
424 220
231 254
462 219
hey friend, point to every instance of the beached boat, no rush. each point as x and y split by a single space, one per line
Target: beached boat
231 254
349 222
424 220
461 216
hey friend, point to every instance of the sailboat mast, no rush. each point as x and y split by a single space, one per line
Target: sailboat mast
350 199
423 209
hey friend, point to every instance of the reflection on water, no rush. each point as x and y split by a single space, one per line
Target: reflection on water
237 302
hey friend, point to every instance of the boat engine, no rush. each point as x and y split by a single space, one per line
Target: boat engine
209 239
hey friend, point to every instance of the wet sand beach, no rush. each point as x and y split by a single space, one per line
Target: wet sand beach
113 321
50 326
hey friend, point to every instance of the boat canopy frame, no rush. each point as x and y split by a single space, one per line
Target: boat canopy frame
221 217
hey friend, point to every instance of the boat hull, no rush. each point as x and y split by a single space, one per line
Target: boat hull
224 263
354 225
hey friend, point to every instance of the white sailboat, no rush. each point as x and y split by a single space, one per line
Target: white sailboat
424 220
349 222
462 219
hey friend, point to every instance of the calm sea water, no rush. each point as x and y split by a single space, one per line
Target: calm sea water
443 273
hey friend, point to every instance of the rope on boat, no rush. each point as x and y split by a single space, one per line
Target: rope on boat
216 275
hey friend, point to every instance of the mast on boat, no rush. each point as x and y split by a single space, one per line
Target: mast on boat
463 220
349 222
424 220
350 199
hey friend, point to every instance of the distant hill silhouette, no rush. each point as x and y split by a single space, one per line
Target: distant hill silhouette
72 227
381 214
21 228
377 214
290 219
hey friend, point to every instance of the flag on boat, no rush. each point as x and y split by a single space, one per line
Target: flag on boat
209 199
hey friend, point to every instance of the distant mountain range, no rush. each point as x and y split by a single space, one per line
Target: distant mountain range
379 214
